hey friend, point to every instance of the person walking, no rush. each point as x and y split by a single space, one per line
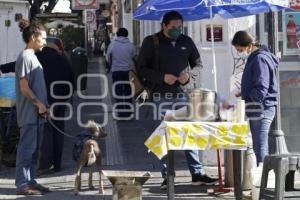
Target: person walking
259 89
104 47
120 55
175 52
31 104
53 61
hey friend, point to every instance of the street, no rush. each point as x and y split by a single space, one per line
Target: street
123 149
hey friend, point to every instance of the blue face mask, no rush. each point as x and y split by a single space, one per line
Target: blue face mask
244 55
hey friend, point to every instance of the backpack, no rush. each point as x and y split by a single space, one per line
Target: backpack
142 92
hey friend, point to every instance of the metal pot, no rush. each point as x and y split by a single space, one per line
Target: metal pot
202 104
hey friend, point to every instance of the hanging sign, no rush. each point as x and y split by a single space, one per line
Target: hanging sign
295 4
91 20
84 4
218 33
90 16
105 13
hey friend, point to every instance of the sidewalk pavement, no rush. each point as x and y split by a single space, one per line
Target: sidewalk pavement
123 149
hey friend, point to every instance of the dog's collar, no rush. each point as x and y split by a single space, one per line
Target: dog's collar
87 134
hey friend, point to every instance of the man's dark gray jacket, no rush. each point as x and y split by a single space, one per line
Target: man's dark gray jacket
171 59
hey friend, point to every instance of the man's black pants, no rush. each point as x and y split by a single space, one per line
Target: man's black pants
122 92
52 142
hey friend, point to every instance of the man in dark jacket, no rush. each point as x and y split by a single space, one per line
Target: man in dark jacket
56 68
176 52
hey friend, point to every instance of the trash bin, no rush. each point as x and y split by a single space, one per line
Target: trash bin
255 176
79 63
9 136
7 91
127 185
8 67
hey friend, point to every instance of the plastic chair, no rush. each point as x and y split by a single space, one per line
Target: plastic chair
284 167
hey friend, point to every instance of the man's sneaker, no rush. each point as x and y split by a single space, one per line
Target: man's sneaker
46 171
29 190
163 185
203 180
41 188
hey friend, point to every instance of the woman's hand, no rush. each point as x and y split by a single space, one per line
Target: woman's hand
238 94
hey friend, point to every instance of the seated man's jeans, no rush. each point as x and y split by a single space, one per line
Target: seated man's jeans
192 156
260 126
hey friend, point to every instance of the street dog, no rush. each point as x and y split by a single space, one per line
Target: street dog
89 155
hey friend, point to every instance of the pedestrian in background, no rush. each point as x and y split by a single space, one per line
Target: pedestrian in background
56 68
107 41
175 52
259 89
31 104
120 55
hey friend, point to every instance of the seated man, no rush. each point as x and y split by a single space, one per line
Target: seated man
56 68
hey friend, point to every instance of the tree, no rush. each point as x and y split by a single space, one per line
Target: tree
41 6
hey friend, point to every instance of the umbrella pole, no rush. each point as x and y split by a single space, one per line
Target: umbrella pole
220 188
214 71
277 144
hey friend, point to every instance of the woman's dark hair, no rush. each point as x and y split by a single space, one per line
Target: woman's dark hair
28 29
243 39
172 15
122 32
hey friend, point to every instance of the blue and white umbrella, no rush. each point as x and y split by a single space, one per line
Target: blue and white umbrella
192 10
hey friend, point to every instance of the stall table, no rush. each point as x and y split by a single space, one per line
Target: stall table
183 135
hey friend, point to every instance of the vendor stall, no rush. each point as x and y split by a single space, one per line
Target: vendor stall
184 135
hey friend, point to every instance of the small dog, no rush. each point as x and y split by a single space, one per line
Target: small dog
89 155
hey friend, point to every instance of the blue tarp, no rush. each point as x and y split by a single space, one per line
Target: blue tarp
7 88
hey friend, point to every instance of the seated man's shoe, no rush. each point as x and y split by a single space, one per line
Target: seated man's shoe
163 185
57 169
41 188
45 171
29 190
203 180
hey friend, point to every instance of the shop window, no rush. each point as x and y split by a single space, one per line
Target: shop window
290 108
291 30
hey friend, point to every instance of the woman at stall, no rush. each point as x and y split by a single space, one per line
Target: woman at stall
259 89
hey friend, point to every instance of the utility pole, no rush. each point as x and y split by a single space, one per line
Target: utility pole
120 13
277 144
